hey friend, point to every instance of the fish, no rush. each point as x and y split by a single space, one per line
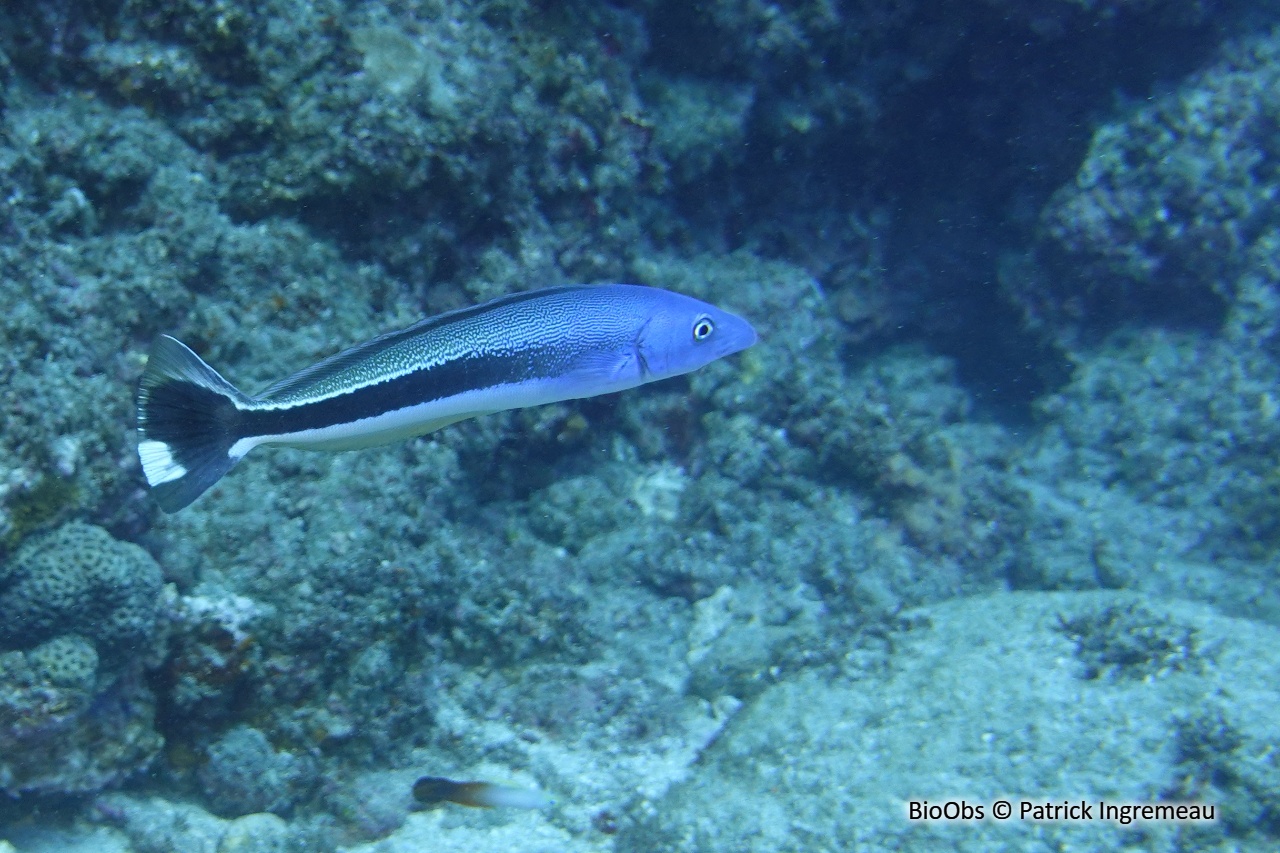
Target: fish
523 349
432 791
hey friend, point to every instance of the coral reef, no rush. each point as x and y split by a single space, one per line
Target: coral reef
68 726
1170 205
1016 286
156 825
244 774
78 579
87 613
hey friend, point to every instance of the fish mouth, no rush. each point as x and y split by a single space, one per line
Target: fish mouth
744 336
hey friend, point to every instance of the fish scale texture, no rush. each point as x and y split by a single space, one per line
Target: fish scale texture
79 579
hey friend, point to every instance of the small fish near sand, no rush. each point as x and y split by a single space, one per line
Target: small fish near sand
526 349
434 791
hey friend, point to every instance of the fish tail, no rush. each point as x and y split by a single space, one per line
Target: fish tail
189 421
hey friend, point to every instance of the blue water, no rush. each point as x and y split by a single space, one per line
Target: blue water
988 516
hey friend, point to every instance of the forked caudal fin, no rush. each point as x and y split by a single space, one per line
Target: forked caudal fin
188 421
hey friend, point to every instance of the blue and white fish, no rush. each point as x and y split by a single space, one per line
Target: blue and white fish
522 350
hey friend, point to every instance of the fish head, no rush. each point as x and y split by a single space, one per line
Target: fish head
681 334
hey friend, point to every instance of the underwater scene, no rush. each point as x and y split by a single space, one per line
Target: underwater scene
579 427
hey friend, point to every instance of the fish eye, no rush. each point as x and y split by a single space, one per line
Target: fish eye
702 328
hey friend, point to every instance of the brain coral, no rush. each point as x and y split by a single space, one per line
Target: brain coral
67 661
82 612
78 579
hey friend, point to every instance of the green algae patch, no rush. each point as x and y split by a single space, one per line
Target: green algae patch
49 499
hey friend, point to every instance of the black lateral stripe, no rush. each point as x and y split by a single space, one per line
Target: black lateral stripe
470 373
339 362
